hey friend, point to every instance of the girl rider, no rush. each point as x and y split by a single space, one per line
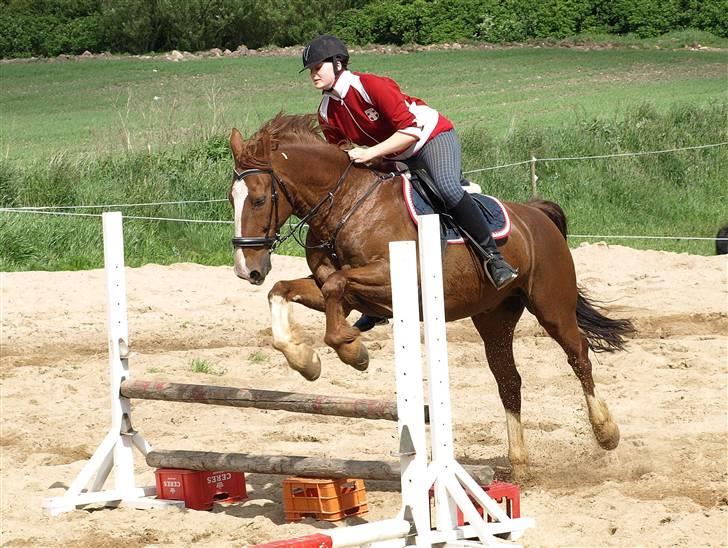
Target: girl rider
371 110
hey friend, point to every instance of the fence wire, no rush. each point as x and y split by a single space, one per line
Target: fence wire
45 210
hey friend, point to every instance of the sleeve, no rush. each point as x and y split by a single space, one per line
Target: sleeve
389 100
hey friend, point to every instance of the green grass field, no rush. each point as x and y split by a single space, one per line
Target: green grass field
143 130
89 107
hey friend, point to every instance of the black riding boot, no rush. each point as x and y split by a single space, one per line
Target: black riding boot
366 322
468 215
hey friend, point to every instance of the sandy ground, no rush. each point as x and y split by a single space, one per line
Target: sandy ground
666 484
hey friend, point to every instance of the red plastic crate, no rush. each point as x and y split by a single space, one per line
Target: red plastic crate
499 491
200 489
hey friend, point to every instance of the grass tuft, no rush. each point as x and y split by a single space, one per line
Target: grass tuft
258 356
199 365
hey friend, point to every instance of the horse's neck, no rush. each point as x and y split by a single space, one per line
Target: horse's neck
311 175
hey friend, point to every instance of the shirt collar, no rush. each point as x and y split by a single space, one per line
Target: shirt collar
341 86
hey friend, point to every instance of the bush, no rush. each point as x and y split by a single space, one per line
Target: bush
433 21
50 27
75 36
25 35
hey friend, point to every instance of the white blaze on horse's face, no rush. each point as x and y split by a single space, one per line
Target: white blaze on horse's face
239 193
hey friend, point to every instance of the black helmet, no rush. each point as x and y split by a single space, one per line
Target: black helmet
322 48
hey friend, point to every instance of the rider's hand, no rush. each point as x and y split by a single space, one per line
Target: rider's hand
361 155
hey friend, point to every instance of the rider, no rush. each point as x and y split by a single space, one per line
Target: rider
371 110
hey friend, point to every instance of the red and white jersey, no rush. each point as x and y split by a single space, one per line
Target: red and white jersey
368 109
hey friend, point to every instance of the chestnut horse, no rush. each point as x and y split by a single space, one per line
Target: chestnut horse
352 214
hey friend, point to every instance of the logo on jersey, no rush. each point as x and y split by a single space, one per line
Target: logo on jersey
372 114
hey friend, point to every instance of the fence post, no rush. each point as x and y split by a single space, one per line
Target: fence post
534 178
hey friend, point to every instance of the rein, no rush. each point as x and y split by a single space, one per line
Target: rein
273 242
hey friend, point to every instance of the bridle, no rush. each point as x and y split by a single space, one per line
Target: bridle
272 242
264 241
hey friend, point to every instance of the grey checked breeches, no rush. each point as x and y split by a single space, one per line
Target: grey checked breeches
441 157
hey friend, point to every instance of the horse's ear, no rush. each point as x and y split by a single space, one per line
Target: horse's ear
236 143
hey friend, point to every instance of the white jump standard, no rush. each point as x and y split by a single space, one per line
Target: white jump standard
117 450
454 487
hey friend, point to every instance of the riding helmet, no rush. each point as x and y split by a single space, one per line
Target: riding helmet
322 48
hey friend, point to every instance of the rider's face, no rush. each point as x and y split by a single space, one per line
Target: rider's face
322 75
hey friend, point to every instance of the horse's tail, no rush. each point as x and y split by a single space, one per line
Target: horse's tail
603 334
554 212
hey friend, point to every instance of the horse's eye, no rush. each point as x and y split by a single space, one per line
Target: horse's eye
258 202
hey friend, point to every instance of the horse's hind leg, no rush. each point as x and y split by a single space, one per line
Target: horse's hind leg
557 314
496 329
300 356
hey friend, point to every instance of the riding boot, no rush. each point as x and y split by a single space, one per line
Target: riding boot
367 322
469 217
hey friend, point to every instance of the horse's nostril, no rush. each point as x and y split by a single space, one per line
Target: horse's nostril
255 276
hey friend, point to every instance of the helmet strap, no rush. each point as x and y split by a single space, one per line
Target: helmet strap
337 72
335 60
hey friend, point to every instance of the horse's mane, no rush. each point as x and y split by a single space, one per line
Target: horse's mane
296 128
283 128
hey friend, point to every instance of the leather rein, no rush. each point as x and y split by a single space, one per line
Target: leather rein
273 241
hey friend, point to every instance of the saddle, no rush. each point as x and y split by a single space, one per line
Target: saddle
422 198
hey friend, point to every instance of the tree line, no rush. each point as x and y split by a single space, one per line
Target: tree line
53 27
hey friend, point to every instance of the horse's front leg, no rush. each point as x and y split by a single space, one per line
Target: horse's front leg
368 283
300 356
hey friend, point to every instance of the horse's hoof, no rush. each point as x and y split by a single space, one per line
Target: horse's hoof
521 472
605 429
361 363
312 372
354 353
306 361
607 435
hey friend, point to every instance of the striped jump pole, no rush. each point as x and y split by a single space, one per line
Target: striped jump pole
294 402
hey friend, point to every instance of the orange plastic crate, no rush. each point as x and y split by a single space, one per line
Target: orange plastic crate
324 499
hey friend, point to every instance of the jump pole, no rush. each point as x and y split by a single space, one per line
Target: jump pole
312 404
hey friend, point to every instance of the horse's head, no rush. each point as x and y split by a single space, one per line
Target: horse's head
259 207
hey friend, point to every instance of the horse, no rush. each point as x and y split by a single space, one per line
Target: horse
352 212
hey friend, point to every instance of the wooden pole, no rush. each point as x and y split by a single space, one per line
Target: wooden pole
307 467
260 399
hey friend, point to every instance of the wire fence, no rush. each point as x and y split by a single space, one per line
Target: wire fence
46 210
599 157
